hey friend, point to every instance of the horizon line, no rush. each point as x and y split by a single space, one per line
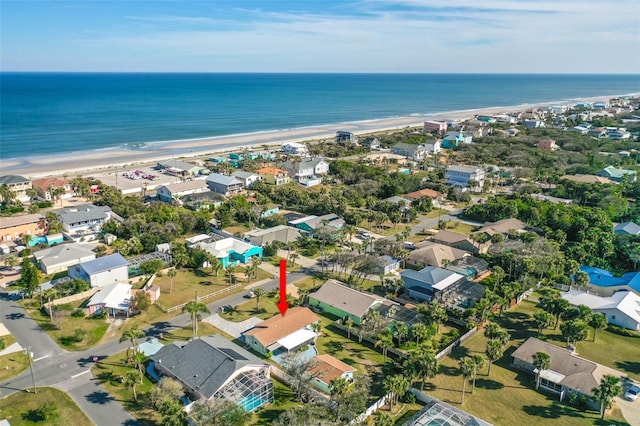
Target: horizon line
317 72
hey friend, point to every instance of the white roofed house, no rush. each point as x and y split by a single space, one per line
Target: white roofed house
113 298
58 258
84 219
622 308
102 271
413 152
433 146
371 143
181 168
294 148
247 178
307 172
429 282
465 177
282 233
174 191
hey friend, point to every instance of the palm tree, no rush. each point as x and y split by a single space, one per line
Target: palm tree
542 361
349 323
214 264
230 271
395 386
195 308
385 341
131 379
422 364
26 239
402 330
438 314
256 262
339 386
598 321
494 352
172 273
609 387
543 320
293 258
478 362
6 194
420 332
10 261
132 335
258 293
467 367
383 419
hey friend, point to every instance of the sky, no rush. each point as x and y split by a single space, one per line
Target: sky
392 36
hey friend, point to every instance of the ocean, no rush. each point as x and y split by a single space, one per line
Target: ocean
57 113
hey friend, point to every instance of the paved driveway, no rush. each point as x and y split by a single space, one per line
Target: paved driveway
235 329
630 409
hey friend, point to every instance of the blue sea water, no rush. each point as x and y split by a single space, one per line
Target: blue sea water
54 113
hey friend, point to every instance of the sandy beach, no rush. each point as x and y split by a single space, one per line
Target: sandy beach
89 162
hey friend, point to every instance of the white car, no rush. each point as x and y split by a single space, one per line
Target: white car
632 393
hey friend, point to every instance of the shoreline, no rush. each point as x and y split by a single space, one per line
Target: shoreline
78 162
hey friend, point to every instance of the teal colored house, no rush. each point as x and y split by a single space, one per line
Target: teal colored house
327 226
230 251
270 211
218 159
236 156
616 174
453 139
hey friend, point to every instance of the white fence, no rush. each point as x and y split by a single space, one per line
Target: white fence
448 349
202 298
284 377
369 411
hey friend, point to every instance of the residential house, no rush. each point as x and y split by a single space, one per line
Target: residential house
307 172
273 175
326 368
174 191
270 210
465 177
403 203
459 241
607 283
627 228
582 129
83 219
597 132
18 185
283 333
472 268
281 233
411 151
102 271
434 254
346 138
504 227
486 119
452 139
247 178
567 374
228 250
505 119
433 146
547 145
532 123
588 179
181 168
212 367
616 174
12 228
387 264
326 226
435 127
225 185
201 200
622 308
429 282
617 134
46 187
371 143
58 258
426 192
477 129
113 298
294 148
342 301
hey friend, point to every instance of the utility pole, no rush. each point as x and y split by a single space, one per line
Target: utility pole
33 377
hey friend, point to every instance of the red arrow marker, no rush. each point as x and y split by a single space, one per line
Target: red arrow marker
282 304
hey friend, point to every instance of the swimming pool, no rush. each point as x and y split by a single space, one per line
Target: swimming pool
252 402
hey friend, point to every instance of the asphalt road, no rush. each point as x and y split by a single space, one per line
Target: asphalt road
71 371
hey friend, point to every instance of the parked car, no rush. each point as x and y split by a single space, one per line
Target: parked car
251 294
632 393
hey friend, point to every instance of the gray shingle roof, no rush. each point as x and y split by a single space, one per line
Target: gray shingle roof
349 300
105 263
204 364
82 213
223 179
63 253
12 179
630 228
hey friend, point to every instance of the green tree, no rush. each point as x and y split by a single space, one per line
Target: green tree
574 331
150 267
555 305
219 412
349 323
543 319
478 363
401 331
383 419
131 379
385 341
598 321
132 335
258 292
609 387
172 413
339 386
195 308
467 368
420 332
166 389
437 314
541 361
421 363
29 279
494 352
140 302
395 386
172 274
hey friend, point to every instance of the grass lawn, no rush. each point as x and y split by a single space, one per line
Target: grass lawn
247 309
309 283
12 364
237 229
283 400
460 228
15 406
610 349
435 213
189 281
94 328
